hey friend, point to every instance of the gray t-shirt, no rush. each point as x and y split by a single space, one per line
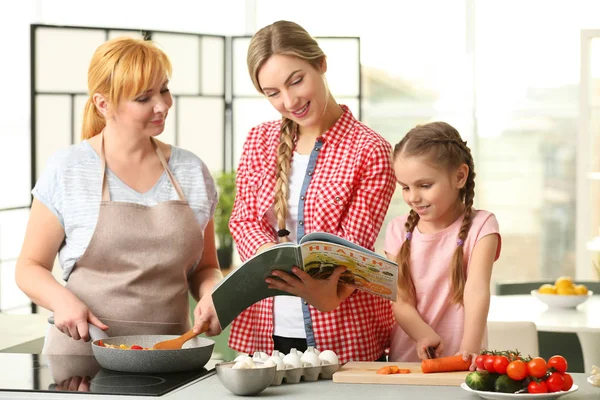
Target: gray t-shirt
70 187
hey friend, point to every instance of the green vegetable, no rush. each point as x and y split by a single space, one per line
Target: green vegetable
481 380
505 384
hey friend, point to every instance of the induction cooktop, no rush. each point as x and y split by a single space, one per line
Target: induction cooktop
77 374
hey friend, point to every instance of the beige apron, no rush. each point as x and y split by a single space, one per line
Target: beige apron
133 275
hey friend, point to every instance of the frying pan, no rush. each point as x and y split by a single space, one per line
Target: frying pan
194 354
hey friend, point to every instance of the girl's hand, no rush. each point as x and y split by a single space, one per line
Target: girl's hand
434 341
205 312
466 355
320 293
71 317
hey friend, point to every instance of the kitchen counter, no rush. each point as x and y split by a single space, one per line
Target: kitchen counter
211 388
17 330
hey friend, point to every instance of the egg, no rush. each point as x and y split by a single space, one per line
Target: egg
244 364
242 357
292 360
311 349
276 353
328 357
278 361
260 356
310 359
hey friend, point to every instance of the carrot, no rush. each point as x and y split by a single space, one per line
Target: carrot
392 369
445 364
384 371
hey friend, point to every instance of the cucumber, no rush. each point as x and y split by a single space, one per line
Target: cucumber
481 380
506 385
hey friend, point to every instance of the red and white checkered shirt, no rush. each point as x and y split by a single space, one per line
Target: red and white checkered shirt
348 195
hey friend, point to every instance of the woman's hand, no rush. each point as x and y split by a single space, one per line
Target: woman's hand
468 355
205 312
433 340
71 317
323 294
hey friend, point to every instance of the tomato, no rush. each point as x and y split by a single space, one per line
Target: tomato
500 364
479 361
517 370
555 382
537 387
567 382
488 363
136 347
537 367
559 363
100 343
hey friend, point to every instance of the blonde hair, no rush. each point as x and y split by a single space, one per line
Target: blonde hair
444 147
121 68
290 39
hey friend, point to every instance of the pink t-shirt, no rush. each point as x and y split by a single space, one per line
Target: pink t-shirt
430 258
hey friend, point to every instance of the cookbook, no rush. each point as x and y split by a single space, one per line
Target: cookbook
318 254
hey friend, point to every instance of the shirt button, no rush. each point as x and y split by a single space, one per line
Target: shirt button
317 148
310 173
301 222
301 197
337 199
309 327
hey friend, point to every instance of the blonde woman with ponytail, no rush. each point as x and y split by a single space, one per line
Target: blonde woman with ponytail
316 169
130 217
444 247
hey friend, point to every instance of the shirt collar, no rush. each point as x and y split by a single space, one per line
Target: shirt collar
339 129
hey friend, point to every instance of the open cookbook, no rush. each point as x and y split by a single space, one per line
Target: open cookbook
318 254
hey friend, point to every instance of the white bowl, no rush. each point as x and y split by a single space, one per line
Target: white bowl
561 300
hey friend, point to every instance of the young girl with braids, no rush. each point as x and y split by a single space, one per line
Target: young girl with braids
444 247
316 169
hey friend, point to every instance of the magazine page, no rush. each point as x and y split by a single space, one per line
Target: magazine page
373 274
331 238
246 285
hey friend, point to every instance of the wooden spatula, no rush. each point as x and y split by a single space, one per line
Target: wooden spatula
177 343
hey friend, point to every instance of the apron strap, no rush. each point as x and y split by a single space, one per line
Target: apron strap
105 192
165 165
161 157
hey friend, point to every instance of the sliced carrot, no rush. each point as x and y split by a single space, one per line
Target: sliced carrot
392 369
445 364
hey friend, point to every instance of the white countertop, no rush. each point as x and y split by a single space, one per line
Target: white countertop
16 329
584 318
211 388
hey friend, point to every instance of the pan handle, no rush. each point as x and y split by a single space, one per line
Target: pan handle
95 332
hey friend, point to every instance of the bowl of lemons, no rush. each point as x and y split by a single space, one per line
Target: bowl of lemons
564 293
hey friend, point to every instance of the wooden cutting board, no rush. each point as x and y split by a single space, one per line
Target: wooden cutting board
366 372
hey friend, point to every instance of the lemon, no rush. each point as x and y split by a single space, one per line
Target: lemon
564 281
581 289
547 289
565 290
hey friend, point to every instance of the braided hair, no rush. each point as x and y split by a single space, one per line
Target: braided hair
284 38
444 146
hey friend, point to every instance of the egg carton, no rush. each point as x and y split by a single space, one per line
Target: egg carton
308 374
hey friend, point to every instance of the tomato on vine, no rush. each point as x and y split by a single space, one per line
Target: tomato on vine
559 363
517 370
479 361
567 382
500 364
537 367
555 382
488 363
537 387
